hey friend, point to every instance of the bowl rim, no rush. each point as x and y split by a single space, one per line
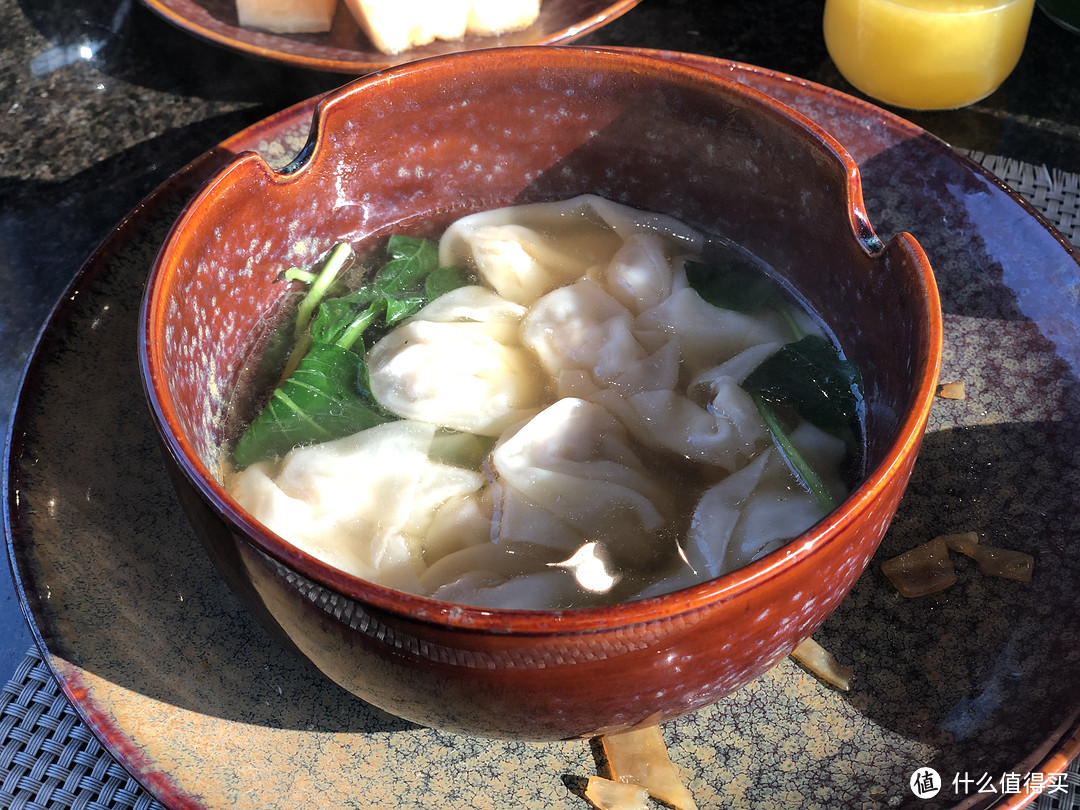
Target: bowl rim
528 622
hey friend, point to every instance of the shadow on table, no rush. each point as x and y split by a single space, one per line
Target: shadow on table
987 670
116 582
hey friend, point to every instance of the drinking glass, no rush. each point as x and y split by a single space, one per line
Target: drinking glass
926 54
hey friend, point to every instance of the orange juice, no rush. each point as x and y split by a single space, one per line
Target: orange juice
926 54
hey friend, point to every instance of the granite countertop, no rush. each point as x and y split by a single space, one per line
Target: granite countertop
102 101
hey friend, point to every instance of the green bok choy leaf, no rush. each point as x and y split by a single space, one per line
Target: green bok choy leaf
324 393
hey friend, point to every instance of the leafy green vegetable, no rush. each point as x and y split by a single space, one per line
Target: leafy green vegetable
811 376
342 321
808 375
411 260
733 288
323 399
798 465
443 280
325 393
825 389
337 261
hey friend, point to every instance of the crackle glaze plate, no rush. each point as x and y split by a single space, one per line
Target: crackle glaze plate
979 682
345 48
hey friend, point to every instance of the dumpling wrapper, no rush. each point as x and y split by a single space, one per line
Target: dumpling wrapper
571 464
761 507
715 422
585 340
514 576
471 303
513 251
710 335
727 433
363 503
641 273
457 363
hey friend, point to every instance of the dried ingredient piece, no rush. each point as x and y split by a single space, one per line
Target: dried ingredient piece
823 664
1001 562
927 568
640 757
608 795
924 570
965 543
952 390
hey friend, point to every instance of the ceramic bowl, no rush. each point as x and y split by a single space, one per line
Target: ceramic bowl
415 147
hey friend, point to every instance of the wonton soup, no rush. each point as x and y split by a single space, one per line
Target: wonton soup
557 405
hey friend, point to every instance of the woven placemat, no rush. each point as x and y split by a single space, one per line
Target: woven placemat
1054 193
50 760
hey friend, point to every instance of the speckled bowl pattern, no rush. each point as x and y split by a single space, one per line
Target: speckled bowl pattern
346 49
419 146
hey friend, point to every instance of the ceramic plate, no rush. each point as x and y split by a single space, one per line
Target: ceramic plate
346 49
981 682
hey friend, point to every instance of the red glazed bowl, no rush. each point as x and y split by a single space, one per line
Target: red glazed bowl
418 146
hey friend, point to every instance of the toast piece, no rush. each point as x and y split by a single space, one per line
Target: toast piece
286 16
397 25
500 16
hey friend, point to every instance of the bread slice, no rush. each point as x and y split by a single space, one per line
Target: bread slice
286 16
396 25
500 16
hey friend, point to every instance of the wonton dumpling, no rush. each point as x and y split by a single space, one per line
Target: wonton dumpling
488 576
717 423
582 334
704 386
521 264
572 462
511 249
471 303
462 372
362 503
640 275
761 507
464 520
709 335
727 433
625 221
546 589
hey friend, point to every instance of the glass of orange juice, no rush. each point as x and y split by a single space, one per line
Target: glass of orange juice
926 54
